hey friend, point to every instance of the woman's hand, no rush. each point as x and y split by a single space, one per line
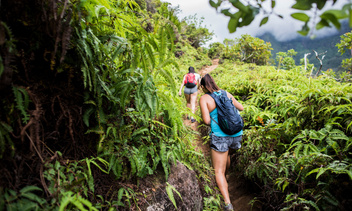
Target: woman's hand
180 93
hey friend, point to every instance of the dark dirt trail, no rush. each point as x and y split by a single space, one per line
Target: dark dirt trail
239 193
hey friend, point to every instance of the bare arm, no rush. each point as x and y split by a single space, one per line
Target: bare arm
238 105
200 78
180 92
204 109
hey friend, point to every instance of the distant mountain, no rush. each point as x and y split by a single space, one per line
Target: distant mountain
303 45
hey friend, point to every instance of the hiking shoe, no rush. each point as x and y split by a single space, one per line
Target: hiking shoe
193 120
228 207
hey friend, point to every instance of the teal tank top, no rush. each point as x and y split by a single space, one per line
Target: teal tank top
215 128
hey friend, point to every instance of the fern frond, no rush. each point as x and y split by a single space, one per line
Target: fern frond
169 191
22 102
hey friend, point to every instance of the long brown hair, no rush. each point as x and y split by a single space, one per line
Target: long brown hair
209 83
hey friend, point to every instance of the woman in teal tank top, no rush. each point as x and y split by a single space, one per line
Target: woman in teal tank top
220 143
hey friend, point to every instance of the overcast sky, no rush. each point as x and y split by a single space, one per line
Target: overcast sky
283 29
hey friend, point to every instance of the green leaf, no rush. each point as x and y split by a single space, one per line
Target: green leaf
248 18
30 189
286 183
140 131
313 171
273 3
321 171
322 23
302 5
339 14
171 195
332 18
32 197
320 4
264 21
169 190
232 25
238 4
213 4
300 16
304 32
227 12
119 196
349 174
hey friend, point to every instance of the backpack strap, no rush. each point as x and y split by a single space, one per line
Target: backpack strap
214 120
214 96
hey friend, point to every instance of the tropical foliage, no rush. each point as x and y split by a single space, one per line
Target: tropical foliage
298 135
89 109
91 103
345 43
245 49
285 59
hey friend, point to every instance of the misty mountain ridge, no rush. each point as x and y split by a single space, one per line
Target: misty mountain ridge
303 45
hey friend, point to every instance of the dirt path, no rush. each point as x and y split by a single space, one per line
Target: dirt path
239 194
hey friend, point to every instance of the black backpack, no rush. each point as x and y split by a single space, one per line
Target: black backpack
230 121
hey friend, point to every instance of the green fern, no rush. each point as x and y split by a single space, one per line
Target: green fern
22 102
169 191
70 199
25 199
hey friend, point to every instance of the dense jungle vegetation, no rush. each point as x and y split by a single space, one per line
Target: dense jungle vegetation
89 109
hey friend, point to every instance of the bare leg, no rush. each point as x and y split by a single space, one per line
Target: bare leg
188 99
219 161
193 101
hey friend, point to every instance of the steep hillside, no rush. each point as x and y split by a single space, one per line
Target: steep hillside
305 45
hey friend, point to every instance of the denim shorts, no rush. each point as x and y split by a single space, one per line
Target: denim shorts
190 90
222 144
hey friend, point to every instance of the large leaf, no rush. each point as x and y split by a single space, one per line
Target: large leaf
233 23
302 5
238 4
300 16
332 18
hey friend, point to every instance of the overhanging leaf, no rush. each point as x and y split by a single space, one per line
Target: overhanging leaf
264 21
273 3
332 18
322 23
300 16
238 4
302 5
233 23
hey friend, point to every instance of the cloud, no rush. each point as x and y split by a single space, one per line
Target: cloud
283 29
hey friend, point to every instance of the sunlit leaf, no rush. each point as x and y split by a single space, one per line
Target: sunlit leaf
300 16
339 14
302 5
232 25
